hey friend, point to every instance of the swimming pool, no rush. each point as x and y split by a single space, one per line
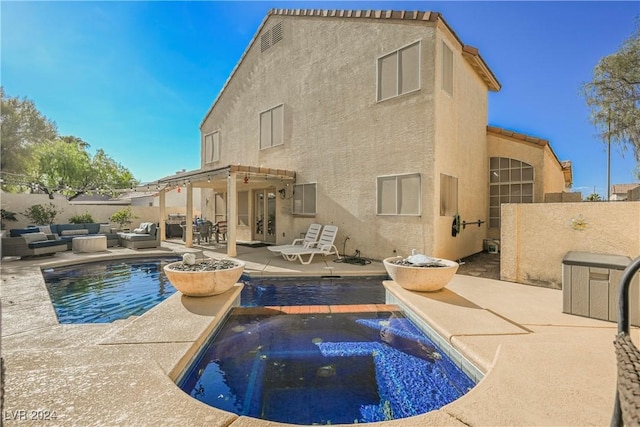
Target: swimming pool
101 292
323 368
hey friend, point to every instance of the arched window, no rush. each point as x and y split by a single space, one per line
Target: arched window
510 181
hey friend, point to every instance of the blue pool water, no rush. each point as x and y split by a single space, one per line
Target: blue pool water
102 292
323 368
266 292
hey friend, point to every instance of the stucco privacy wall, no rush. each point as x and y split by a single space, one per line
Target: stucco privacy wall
19 203
336 134
536 237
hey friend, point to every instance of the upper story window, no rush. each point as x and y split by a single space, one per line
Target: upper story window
399 72
447 69
510 181
399 194
272 127
304 199
212 147
448 195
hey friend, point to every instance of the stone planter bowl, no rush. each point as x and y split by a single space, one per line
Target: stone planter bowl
422 279
204 283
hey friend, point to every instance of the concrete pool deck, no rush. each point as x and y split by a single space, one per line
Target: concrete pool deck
542 367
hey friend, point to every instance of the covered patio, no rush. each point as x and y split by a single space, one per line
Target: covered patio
241 195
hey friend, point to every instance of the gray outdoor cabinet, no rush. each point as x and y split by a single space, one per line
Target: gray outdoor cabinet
590 286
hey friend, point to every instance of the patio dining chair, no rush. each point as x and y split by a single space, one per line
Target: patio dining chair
206 231
627 405
220 231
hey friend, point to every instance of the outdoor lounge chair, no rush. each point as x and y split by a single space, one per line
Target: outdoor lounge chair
310 239
324 246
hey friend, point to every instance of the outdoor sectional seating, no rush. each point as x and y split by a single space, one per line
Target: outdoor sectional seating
31 242
67 232
147 235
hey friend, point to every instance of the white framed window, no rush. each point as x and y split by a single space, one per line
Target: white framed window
272 127
212 147
399 194
447 69
399 72
304 199
448 195
510 181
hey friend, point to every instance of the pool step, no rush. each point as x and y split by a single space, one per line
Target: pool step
319 309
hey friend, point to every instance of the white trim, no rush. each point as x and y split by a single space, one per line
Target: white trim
315 212
270 110
396 51
444 43
215 155
396 176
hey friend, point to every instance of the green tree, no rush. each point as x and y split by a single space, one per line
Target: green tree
593 197
65 166
23 127
614 96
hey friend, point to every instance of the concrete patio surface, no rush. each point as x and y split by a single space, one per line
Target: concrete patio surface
541 366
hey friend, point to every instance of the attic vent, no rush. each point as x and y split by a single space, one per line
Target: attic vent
276 33
271 37
265 41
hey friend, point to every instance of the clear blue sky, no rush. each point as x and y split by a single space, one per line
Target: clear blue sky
136 78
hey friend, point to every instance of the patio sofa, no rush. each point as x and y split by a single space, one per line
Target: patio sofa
67 232
31 242
147 235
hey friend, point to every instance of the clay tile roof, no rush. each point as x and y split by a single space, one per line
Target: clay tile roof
566 165
517 135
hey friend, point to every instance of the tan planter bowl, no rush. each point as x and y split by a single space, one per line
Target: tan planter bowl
422 279
203 283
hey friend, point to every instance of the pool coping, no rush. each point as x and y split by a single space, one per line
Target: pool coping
509 331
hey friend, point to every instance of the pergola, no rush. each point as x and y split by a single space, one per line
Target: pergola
227 177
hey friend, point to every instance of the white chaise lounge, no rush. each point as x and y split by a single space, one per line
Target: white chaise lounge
310 239
324 246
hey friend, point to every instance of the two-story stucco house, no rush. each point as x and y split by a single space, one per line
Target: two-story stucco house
374 121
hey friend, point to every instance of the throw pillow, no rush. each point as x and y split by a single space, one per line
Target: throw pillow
104 229
46 229
74 232
34 237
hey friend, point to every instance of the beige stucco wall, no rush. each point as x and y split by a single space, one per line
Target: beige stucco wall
18 203
536 237
338 136
461 151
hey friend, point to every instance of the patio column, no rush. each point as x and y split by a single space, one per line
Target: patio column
232 214
188 239
163 216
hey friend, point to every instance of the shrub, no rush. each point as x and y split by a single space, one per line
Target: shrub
123 217
84 218
42 215
7 216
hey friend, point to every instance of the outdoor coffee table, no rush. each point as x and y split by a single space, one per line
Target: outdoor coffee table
89 244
